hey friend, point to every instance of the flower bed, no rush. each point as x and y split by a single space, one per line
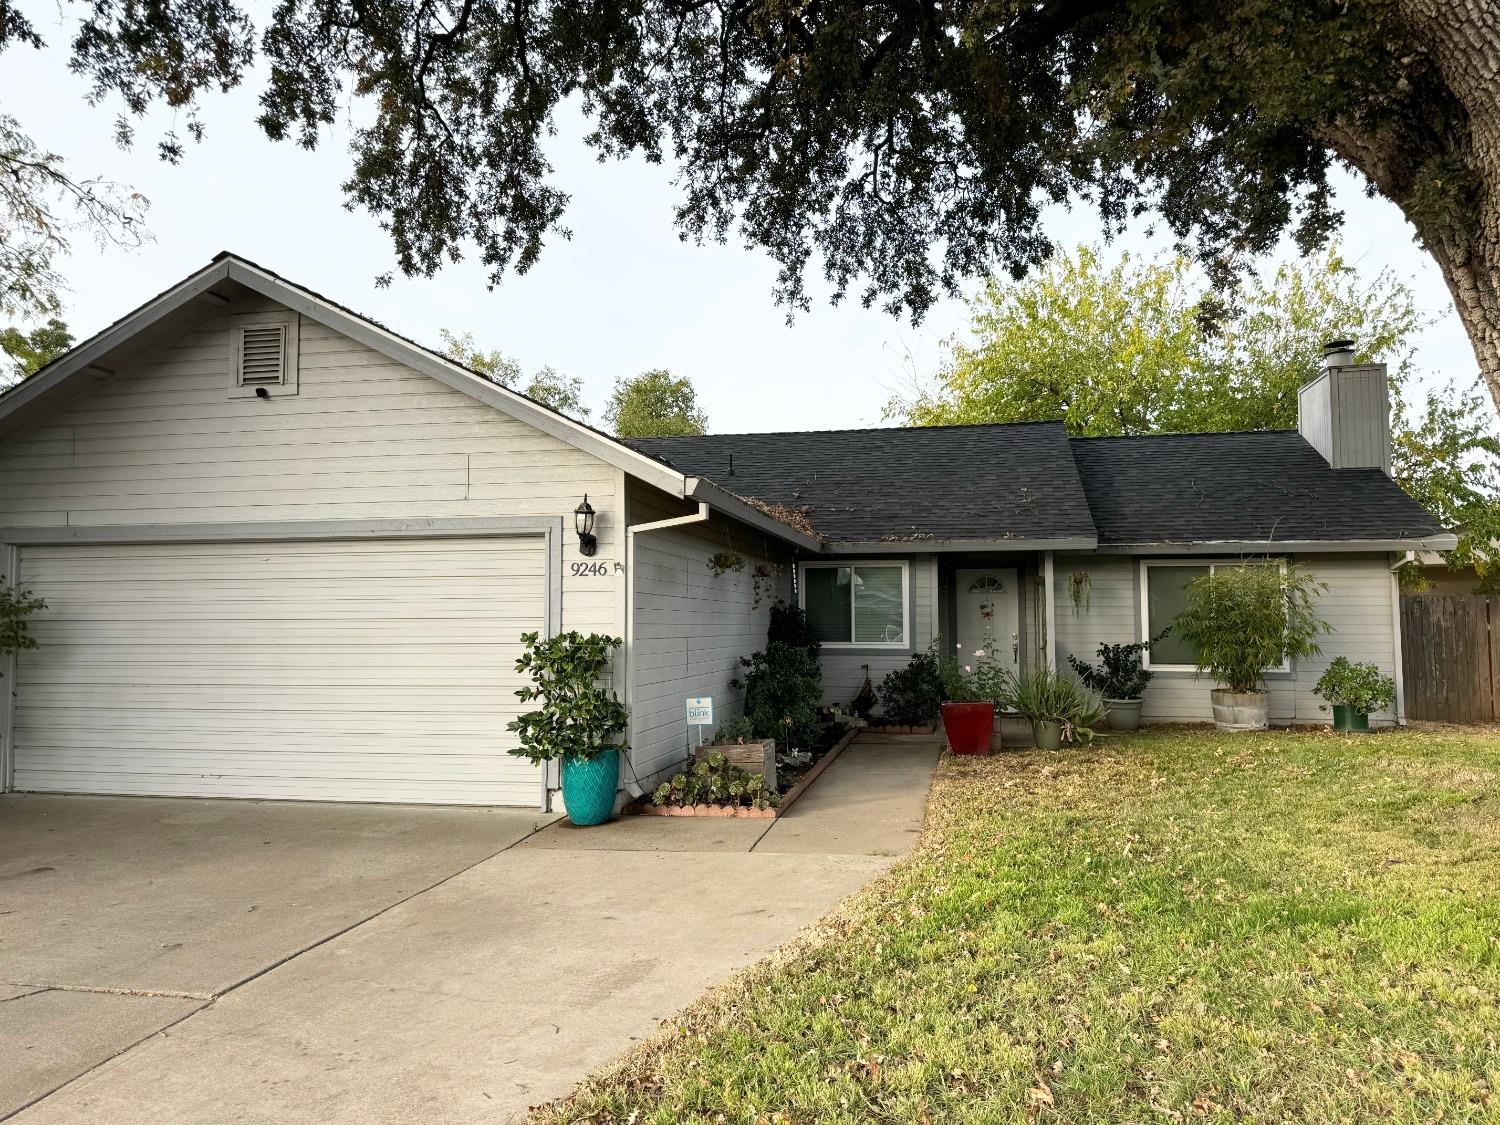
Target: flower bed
644 806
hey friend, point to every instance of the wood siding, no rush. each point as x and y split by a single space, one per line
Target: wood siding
691 626
364 438
1357 605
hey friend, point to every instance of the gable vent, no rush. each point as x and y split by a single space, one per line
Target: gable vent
263 356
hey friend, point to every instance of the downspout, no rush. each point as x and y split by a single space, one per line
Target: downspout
1049 613
1396 659
701 516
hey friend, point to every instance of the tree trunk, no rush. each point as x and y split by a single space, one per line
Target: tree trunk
1462 39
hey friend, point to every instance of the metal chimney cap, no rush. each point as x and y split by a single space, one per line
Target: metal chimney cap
1339 353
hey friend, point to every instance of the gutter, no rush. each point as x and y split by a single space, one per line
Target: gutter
1398 662
1444 541
631 531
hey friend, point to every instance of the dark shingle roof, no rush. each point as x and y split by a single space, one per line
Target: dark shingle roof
1255 487
941 482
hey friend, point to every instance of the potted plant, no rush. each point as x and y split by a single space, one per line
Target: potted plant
1243 620
1120 678
1059 707
1353 691
968 702
578 722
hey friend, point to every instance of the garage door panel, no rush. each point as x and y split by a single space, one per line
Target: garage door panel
361 670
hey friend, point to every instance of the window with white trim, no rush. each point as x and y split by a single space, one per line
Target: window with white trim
1164 584
856 604
263 356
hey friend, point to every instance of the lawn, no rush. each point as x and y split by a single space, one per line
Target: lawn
1171 926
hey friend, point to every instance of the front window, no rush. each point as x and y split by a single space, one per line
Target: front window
857 603
1163 596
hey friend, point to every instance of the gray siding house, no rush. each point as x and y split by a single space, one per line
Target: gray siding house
289 554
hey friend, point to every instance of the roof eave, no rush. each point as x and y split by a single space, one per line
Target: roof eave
1444 541
924 546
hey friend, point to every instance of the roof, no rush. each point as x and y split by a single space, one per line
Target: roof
1029 484
1266 486
1017 486
1015 483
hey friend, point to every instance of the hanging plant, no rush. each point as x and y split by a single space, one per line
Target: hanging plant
763 581
722 562
1081 590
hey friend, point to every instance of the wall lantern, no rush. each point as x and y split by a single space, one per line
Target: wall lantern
583 517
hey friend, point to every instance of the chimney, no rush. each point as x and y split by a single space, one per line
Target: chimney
1345 413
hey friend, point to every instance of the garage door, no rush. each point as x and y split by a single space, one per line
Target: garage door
372 670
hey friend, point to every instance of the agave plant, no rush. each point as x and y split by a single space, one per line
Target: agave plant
1044 695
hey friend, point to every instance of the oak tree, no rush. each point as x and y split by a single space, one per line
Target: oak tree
898 148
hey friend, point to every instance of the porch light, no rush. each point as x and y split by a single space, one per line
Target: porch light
583 518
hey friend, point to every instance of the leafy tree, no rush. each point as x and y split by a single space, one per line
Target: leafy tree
902 147
655 404
42 206
1125 348
31 351
548 386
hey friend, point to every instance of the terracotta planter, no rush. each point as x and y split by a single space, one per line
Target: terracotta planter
968 726
1123 714
1241 710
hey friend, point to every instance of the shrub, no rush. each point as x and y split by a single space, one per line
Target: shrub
1360 686
1044 695
913 695
16 605
737 729
788 626
783 688
577 716
1119 673
714 781
1244 619
979 678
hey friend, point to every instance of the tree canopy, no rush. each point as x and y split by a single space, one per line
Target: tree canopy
898 148
548 386
1122 347
655 404
31 351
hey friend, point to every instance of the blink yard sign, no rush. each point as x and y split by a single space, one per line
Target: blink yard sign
700 711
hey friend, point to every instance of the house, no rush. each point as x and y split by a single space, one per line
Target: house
288 553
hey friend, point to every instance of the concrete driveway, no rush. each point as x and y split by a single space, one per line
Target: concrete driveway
400 965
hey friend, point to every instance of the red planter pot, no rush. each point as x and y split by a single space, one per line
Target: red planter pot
968 726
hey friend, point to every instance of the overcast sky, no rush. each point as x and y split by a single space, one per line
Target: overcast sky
625 294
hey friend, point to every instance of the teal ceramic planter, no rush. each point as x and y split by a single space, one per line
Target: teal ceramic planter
589 786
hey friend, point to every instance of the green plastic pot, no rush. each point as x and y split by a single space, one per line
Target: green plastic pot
589 786
1349 720
1047 734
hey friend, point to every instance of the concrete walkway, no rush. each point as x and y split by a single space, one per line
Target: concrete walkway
502 985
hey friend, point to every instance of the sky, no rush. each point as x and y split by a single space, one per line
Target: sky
624 295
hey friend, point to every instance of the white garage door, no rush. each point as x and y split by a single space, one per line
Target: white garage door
372 670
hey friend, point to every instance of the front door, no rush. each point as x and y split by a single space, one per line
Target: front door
989 614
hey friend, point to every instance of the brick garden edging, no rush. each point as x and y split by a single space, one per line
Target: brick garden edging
928 729
644 807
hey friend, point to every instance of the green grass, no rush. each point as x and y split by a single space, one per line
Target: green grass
1169 926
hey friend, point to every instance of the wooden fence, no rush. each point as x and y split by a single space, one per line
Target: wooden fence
1450 649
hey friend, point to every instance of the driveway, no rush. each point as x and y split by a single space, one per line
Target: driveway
204 961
